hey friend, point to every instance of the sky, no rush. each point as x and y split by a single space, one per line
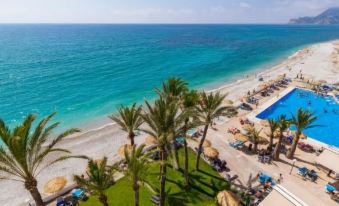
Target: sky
159 11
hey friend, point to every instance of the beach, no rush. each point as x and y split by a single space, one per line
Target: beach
318 61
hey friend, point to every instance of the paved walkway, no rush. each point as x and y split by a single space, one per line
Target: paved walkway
244 165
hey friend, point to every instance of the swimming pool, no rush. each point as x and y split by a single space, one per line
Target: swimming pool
325 108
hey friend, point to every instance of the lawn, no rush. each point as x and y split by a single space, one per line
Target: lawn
204 185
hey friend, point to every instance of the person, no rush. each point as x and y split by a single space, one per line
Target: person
280 179
329 173
309 103
250 147
325 110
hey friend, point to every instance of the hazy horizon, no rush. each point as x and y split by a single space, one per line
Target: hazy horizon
158 12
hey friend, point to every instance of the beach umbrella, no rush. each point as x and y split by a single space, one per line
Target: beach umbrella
211 152
316 83
247 127
206 143
54 185
124 147
150 140
262 86
280 77
271 82
241 137
228 198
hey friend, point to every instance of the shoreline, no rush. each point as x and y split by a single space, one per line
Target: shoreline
106 138
248 76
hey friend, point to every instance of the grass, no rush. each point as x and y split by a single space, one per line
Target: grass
204 185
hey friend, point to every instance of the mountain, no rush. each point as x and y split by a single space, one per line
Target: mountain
330 16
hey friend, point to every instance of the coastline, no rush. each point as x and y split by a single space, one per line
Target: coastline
271 70
103 138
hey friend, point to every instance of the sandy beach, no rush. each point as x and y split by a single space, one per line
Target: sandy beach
319 61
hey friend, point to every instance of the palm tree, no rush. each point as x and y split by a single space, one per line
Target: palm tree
24 149
273 125
255 138
137 169
284 124
162 118
303 120
189 102
210 107
172 91
100 178
129 119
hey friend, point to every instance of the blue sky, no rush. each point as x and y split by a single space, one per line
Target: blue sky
159 11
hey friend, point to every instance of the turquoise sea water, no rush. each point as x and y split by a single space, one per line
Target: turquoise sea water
85 71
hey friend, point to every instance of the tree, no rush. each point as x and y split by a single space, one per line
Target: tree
172 91
209 108
129 119
100 178
303 120
188 104
24 149
255 138
284 124
137 169
161 119
273 125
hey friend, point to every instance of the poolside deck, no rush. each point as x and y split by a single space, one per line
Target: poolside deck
244 164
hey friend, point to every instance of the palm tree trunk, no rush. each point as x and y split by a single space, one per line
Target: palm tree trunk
200 147
186 154
31 186
136 192
271 141
175 156
162 177
131 137
291 152
255 149
103 199
276 152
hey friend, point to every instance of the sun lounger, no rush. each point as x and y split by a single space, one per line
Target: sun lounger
302 171
180 140
237 144
260 158
264 178
60 201
267 159
330 188
192 132
155 199
78 194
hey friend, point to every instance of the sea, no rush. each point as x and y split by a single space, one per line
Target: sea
84 72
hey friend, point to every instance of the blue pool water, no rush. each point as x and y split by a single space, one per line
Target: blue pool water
84 72
325 108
